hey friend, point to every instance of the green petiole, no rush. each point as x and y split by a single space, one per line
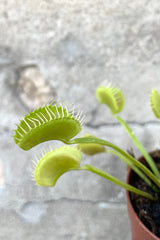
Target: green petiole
108 144
117 181
135 169
149 160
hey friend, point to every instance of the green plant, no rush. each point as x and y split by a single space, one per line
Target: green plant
56 122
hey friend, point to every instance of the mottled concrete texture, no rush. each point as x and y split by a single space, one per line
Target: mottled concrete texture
62 50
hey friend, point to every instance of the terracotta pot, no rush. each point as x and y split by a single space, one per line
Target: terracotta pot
139 230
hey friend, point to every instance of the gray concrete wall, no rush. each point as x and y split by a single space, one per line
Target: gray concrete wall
64 50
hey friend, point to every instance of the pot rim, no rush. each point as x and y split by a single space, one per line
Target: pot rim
133 211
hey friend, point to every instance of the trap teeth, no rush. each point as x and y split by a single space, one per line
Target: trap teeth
47 123
112 97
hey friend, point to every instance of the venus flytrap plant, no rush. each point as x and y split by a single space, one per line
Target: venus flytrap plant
155 102
55 163
105 93
55 122
91 148
51 122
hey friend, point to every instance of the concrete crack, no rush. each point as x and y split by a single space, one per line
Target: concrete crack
116 124
81 201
